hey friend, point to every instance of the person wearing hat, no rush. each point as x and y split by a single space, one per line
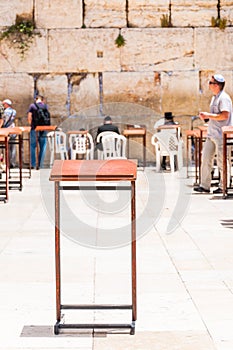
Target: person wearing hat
220 115
168 119
106 126
8 121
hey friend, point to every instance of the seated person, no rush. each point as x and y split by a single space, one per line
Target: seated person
167 120
107 126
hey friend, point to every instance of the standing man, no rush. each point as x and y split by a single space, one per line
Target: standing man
1 113
8 119
34 121
220 115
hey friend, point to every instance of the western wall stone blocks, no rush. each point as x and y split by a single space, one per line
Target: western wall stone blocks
102 13
9 10
54 88
34 60
186 13
150 49
83 50
227 10
132 87
180 92
148 13
213 49
58 14
84 88
19 88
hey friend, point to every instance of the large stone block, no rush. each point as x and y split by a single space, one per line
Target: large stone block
54 88
58 14
213 49
35 58
157 49
84 93
129 89
186 13
19 89
180 92
227 11
9 10
147 13
83 50
102 13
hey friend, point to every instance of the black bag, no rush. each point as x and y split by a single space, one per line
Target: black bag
42 115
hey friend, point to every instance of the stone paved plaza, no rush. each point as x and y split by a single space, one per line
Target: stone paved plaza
184 267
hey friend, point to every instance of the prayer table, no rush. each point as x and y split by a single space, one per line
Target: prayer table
114 170
136 131
227 141
4 185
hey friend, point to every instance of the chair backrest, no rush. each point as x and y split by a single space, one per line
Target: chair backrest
104 133
81 144
168 141
60 141
50 137
114 146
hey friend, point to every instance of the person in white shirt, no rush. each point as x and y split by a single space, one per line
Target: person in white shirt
220 115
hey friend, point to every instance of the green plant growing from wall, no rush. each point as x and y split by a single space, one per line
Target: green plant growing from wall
120 41
219 22
20 34
165 21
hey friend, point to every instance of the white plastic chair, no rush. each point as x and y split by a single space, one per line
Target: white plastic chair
99 139
167 144
114 146
81 144
57 145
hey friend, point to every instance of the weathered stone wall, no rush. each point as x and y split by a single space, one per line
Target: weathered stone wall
77 66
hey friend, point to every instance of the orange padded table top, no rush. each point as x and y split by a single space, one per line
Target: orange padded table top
94 170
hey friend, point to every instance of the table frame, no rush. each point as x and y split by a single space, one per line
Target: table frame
17 184
227 141
4 193
192 134
94 170
132 131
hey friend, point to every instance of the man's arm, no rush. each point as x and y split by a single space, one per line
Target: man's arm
29 118
224 115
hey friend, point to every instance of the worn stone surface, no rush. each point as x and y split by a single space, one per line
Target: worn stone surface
105 13
148 13
216 59
9 10
186 13
54 88
58 14
180 92
19 88
149 49
83 50
227 10
84 88
35 59
135 87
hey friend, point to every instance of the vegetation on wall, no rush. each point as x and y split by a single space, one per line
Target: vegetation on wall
165 21
219 22
20 34
120 41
